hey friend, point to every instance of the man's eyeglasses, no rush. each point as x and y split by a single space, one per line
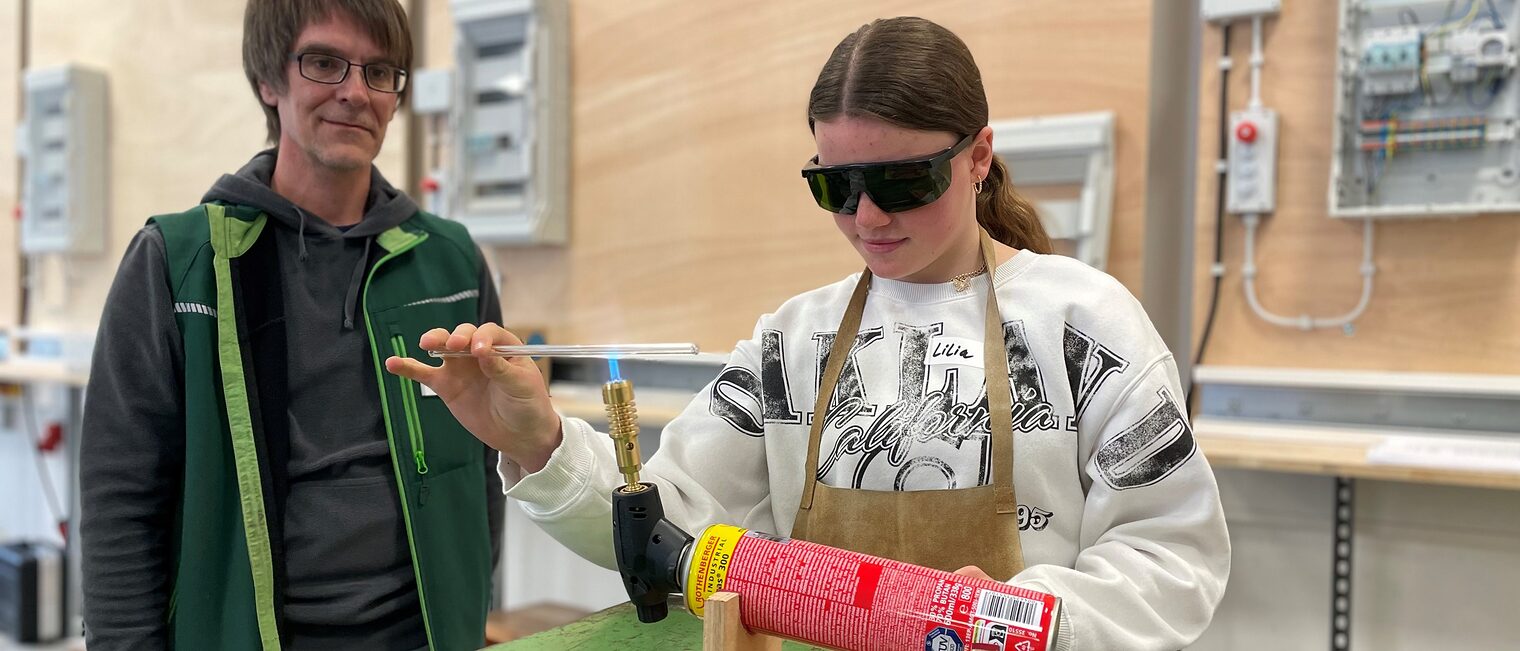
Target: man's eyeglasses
329 69
894 186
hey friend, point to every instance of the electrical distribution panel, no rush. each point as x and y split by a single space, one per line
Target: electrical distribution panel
1426 114
510 120
63 144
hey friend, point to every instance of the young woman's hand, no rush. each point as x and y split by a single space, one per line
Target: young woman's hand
501 400
974 572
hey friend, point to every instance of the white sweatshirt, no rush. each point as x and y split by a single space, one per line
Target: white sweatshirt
1119 512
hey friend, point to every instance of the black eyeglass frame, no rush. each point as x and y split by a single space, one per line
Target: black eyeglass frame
926 171
400 73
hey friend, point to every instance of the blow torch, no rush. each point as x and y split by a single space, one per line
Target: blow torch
792 588
800 590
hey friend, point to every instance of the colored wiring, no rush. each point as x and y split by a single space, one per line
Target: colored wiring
1375 163
1480 94
1446 27
1428 90
1495 84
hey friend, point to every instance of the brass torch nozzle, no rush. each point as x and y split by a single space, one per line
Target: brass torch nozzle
623 426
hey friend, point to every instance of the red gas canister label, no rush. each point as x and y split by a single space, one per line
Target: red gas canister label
832 597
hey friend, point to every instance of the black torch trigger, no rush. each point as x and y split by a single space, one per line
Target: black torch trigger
648 549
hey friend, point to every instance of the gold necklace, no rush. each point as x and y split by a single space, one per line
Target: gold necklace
963 281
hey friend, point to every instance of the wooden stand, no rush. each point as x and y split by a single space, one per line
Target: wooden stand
722 629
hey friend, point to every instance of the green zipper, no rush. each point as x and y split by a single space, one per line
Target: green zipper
409 404
390 434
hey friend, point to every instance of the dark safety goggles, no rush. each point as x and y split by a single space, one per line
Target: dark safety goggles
894 186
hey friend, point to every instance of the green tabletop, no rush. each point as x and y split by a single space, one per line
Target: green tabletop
618 627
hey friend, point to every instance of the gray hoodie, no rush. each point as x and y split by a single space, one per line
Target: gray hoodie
349 578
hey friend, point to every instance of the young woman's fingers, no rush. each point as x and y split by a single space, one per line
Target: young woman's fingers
974 572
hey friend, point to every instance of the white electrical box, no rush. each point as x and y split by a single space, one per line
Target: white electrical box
432 91
1426 110
1252 162
1222 10
511 110
63 145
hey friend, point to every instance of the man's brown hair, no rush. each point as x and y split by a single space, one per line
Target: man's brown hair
271 27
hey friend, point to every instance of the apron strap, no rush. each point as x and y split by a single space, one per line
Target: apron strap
848 327
999 393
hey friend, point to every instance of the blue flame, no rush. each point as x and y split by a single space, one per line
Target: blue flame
612 369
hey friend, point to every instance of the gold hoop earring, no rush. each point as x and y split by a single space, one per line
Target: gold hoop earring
977 187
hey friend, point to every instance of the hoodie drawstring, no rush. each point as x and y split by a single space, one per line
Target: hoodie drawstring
301 235
350 304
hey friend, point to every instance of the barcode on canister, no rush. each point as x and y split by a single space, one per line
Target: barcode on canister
1018 611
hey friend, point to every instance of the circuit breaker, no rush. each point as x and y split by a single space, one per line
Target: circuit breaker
63 146
1391 61
510 160
1252 158
1426 109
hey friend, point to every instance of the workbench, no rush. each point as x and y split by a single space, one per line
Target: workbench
618 627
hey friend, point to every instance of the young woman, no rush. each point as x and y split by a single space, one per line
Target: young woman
1071 469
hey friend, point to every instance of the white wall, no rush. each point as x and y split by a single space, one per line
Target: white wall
1434 567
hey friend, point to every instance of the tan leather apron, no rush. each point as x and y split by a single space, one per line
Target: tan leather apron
944 529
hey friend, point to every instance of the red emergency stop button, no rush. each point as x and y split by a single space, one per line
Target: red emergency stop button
1246 132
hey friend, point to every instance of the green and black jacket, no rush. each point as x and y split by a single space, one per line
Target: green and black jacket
226 572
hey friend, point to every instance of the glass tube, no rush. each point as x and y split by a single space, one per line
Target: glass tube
608 351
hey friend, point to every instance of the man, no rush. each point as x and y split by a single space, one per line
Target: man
251 478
